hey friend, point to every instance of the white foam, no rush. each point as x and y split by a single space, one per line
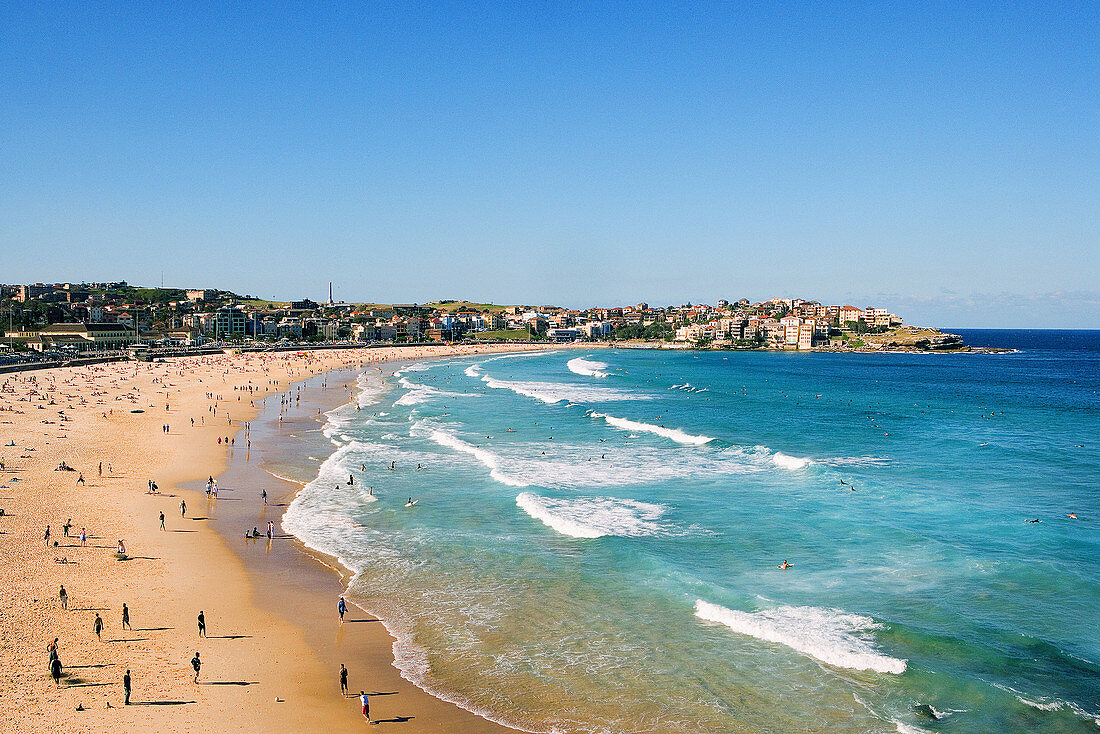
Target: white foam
1053 704
419 393
854 461
594 517
830 636
904 728
793 463
559 392
590 368
486 457
673 433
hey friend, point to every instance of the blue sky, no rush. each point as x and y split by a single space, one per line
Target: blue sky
939 158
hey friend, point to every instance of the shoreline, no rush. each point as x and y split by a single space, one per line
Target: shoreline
259 669
302 584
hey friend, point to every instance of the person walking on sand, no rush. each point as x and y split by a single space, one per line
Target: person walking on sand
126 686
55 671
366 706
83 537
202 624
196 664
162 520
80 480
263 496
126 618
97 625
183 508
342 607
343 680
64 596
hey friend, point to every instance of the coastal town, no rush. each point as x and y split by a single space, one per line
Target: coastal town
79 318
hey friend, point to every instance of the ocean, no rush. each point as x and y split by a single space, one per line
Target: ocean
596 536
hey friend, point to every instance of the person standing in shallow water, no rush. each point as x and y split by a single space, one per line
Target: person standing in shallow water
343 680
342 607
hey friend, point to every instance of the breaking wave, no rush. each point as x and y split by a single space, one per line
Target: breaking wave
672 433
589 368
833 637
594 517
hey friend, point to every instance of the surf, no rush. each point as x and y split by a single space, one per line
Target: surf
589 368
674 434
829 636
594 517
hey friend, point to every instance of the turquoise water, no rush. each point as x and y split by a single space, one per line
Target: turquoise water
597 534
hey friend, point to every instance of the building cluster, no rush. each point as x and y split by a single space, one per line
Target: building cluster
98 316
779 323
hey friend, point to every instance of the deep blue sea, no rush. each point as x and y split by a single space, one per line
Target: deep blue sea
597 535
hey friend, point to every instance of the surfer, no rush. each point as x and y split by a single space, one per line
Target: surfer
351 479
1072 515
393 465
785 565
1035 520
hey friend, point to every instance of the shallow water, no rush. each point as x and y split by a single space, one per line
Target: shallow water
596 536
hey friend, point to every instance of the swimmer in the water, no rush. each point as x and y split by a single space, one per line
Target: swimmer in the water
1035 520
784 566
1072 515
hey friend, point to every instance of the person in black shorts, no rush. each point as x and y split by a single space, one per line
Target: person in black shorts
202 624
343 680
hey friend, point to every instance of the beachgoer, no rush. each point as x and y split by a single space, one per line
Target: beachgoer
343 680
55 671
366 705
785 565
68 524
47 535
162 520
126 618
196 664
202 624
83 537
183 508
97 625
80 480
121 548
342 607
64 595
263 496
126 686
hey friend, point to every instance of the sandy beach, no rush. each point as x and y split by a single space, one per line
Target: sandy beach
80 446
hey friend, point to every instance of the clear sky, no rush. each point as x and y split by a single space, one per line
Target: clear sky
942 159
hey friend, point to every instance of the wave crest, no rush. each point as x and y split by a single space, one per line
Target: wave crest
594 517
589 368
832 637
